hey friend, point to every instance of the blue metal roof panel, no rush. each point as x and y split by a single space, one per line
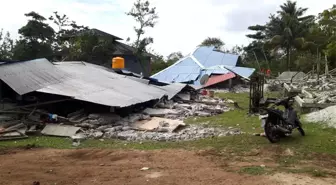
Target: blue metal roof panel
216 71
208 57
182 71
241 71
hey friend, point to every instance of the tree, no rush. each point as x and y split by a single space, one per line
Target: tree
89 47
287 29
284 33
66 29
70 39
6 46
35 40
146 17
213 41
175 56
327 22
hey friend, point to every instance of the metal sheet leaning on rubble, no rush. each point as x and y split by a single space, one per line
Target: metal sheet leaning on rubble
99 85
29 76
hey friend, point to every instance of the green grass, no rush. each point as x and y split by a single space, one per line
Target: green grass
237 118
253 170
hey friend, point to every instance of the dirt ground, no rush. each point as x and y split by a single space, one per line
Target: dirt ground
106 167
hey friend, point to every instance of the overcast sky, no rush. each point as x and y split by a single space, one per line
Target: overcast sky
182 25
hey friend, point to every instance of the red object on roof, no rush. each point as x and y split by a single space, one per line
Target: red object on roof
215 79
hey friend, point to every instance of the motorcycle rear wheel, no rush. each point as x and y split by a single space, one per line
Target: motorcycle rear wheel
270 132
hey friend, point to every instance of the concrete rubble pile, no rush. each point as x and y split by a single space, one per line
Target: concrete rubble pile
162 122
313 91
323 84
239 88
319 97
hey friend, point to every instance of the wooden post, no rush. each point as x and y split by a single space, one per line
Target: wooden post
326 66
318 66
0 90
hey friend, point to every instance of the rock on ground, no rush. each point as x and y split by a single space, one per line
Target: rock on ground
327 115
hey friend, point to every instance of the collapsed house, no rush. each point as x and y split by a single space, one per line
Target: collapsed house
97 102
206 67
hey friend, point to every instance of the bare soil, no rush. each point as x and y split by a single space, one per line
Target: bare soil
106 167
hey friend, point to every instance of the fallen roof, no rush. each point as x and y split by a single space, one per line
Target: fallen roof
99 85
25 77
208 57
204 60
241 71
83 81
215 79
174 88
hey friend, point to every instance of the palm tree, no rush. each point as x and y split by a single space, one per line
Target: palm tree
288 28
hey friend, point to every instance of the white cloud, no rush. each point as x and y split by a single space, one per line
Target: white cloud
182 25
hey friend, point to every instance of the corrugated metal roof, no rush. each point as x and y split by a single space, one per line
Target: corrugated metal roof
204 60
173 89
83 81
219 78
183 70
28 76
208 57
241 71
95 84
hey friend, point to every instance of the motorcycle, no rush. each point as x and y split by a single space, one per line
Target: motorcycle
278 123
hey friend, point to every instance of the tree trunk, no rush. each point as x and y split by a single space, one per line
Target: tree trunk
318 67
326 66
288 58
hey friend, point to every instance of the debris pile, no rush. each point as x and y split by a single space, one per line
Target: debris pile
324 116
162 122
319 85
318 97
273 85
191 132
60 99
239 88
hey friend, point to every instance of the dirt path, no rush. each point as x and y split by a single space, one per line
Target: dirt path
106 167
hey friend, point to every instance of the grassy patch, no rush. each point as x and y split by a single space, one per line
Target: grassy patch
288 161
253 170
237 118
